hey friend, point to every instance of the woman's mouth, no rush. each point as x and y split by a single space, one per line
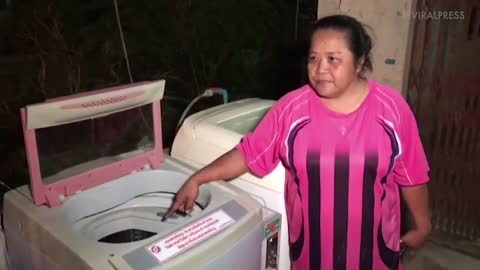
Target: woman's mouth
323 81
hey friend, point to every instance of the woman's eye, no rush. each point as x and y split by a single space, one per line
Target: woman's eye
311 58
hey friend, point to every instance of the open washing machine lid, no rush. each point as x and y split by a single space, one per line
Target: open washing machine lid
77 142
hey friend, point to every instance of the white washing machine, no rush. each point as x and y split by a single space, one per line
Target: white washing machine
100 185
206 135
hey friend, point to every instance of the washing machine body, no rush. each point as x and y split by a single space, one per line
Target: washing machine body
100 185
206 135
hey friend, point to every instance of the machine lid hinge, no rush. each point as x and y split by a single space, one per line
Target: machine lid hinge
54 198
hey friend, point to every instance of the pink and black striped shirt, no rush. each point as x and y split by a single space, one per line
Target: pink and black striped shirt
343 173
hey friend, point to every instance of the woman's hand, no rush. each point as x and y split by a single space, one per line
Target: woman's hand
228 166
416 238
184 199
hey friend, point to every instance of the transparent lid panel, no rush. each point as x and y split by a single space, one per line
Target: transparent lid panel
245 123
75 148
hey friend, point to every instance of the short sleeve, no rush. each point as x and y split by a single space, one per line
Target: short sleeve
261 148
411 167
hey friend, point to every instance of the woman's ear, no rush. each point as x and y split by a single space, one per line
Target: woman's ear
360 63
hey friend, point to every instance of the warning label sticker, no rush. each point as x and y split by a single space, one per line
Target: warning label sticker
189 236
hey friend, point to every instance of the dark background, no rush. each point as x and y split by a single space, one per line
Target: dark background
51 48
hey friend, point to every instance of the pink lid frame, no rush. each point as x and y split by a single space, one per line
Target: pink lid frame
51 194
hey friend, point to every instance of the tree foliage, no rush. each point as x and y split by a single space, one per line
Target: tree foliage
51 48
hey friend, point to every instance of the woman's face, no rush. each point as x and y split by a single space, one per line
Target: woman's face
331 64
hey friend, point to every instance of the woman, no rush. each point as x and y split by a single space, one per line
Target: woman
350 146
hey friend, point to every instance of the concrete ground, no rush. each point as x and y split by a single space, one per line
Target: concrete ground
436 257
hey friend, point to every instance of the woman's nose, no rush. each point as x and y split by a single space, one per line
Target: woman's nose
321 66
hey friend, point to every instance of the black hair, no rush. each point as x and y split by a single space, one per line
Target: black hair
360 43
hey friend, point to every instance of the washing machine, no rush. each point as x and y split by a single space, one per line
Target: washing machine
100 184
206 135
